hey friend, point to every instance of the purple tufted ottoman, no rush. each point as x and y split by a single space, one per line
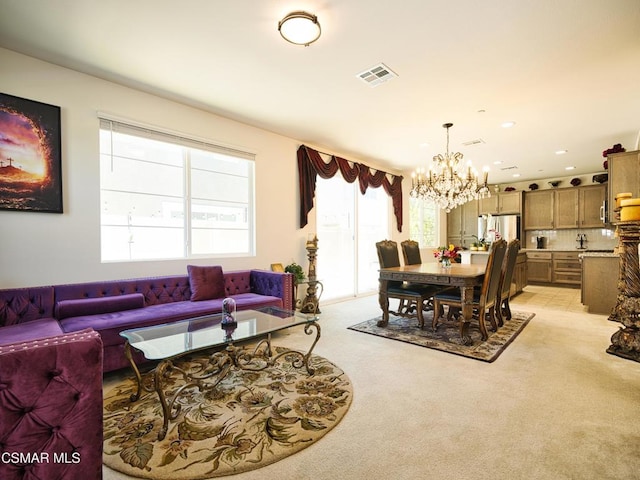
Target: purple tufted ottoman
51 408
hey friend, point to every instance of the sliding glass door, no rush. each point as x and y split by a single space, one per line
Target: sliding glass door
373 226
348 226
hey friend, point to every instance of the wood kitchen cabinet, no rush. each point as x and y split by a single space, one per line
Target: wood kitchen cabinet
519 274
503 203
462 224
590 206
624 176
565 211
600 282
539 267
562 268
566 268
538 210
575 207
579 207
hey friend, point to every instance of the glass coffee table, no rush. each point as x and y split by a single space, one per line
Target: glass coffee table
168 342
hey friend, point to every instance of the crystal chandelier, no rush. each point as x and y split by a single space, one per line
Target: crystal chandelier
447 182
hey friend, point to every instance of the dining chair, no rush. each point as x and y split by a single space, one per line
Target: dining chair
503 310
484 297
412 296
411 252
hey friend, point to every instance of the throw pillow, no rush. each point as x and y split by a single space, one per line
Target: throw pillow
206 283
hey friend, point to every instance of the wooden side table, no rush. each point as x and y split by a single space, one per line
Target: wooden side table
625 342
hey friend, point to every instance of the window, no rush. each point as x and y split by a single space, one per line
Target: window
423 222
163 196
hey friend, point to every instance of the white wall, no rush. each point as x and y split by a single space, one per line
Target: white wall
45 248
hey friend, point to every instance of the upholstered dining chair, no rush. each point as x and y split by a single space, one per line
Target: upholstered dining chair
503 310
412 296
484 297
411 252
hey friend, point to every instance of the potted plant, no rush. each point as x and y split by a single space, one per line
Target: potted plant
479 244
297 271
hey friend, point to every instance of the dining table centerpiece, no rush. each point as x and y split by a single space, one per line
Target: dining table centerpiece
446 255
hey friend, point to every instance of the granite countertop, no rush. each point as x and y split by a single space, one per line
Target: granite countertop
583 253
584 250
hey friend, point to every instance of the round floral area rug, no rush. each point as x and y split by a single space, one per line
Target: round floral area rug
249 420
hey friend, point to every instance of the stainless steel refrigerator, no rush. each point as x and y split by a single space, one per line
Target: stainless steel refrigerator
494 227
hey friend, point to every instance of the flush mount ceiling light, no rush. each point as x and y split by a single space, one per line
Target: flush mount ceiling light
300 28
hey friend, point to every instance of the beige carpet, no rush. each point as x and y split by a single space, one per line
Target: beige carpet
250 419
554 406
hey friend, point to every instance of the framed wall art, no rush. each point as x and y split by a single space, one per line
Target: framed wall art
30 155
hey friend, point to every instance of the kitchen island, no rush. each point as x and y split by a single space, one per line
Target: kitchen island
599 281
480 257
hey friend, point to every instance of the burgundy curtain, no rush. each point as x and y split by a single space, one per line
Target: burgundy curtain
311 164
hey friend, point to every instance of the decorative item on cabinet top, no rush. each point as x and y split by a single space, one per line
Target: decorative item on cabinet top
533 186
575 182
600 178
617 148
555 183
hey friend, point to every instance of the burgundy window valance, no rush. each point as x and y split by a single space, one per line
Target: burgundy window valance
311 164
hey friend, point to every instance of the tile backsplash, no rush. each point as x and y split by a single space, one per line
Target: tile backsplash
596 238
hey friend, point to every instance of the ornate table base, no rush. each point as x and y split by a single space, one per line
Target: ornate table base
213 371
625 342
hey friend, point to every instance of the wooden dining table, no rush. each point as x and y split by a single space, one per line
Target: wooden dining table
463 276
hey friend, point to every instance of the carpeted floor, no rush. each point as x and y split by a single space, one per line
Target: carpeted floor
555 406
447 337
249 420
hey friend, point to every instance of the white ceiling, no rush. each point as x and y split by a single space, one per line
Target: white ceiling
566 71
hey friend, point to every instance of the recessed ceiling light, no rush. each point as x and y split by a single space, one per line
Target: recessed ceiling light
516 175
498 162
561 152
507 124
425 145
570 168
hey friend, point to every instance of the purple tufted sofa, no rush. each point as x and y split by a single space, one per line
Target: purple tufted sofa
51 408
112 306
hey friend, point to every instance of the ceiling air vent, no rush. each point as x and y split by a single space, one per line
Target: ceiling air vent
512 167
376 75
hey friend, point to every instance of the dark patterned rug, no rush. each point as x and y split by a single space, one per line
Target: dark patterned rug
251 419
447 337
